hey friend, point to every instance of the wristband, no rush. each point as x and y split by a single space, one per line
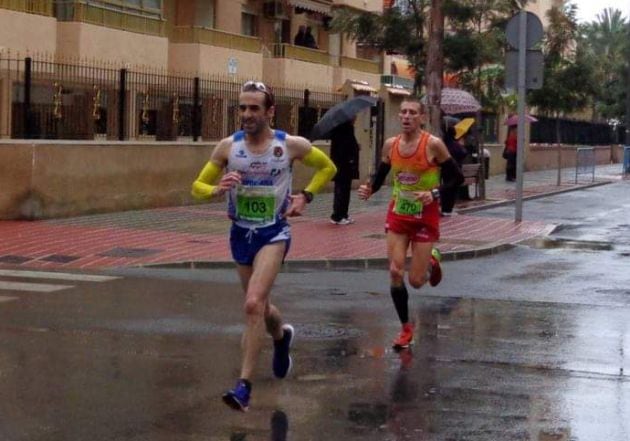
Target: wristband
308 196
435 193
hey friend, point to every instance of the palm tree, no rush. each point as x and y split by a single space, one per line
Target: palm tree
568 81
605 41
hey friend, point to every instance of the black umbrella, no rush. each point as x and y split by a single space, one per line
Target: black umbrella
339 114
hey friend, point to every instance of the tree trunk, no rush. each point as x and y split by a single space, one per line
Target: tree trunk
435 66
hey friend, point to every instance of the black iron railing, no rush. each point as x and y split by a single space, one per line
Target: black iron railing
54 100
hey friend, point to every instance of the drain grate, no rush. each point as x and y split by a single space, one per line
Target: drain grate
555 243
17 260
375 236
129 252
60 258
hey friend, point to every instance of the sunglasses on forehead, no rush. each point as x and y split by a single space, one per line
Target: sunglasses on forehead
254 85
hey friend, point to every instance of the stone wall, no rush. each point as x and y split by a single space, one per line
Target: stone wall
40 180
48 179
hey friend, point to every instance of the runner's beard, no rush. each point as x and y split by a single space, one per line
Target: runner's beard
253 126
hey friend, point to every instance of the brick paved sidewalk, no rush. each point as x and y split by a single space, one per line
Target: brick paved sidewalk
199 234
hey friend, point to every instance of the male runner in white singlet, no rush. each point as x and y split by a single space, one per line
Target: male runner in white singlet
258 172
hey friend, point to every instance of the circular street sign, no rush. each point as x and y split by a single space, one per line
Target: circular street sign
534 31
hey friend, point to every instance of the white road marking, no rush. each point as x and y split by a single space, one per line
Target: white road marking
36 287
56 276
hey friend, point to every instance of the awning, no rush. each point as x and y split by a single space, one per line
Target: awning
398 91
363 88
312 5
358 86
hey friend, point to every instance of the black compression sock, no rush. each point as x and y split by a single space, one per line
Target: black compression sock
400 298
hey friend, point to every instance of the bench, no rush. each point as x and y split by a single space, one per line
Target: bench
471 174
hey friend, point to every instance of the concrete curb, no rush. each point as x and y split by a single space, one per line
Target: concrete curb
534 196
336 264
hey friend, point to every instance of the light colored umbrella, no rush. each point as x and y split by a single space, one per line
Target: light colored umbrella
513 120
456 101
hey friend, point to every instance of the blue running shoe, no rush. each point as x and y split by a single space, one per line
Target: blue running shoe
282 362
238 398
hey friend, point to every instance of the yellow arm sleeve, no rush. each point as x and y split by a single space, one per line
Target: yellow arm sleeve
325 169
202 188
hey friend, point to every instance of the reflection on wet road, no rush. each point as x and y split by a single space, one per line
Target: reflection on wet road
530 344
147 359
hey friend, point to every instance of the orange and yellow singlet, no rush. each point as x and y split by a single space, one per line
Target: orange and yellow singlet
413 173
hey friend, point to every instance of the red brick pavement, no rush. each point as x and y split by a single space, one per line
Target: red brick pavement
101 243
199 233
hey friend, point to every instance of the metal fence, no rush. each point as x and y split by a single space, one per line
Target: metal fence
572 132
52 100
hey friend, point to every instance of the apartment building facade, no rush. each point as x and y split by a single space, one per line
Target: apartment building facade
239 38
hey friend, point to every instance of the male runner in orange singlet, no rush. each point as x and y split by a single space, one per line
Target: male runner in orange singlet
413 217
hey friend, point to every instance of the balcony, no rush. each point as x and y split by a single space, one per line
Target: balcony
213 37
40 7
300 53
126 19
361 65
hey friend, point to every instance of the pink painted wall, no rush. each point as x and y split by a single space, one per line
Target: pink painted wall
21 32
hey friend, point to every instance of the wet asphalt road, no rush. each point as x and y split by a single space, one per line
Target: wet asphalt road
530 344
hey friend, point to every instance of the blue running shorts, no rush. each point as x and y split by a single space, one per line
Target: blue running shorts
245 243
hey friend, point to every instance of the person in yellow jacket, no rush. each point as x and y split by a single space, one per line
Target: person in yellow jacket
257 162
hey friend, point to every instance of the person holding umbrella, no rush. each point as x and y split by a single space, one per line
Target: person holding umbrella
417 159
344 152
448 195
337 125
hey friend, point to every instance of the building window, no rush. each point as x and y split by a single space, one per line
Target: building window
143 7
204 14
248 24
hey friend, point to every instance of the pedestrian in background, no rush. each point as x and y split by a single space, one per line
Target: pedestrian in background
258 163
299 39
509 154
448 195
309 39
344 152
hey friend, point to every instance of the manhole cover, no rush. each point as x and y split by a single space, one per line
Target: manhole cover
325 331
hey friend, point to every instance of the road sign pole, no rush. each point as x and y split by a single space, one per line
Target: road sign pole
520 150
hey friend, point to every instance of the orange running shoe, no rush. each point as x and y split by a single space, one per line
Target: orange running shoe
436 269
405 338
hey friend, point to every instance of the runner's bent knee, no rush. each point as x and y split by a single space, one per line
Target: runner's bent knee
254 306
396 272
417 281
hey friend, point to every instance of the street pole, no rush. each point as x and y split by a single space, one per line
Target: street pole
628 89
520 149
